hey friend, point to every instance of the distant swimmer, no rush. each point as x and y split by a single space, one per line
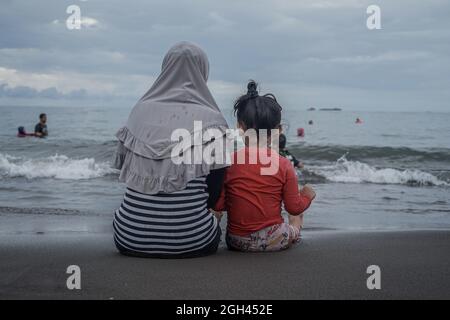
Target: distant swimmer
358 121
310 122
285 153
21 133
301 132
40 130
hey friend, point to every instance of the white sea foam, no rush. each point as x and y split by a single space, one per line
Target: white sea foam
357 172
57 167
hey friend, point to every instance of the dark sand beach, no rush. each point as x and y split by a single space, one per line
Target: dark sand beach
326 265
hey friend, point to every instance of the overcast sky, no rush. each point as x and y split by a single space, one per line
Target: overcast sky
307 52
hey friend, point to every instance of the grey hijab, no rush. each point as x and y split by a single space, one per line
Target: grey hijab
178 97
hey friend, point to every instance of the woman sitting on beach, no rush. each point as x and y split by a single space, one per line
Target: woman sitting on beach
253 200
165 211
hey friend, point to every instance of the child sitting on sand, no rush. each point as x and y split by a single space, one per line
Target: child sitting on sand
253 200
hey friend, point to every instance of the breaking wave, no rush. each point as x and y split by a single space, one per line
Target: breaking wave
364 153
358 172
57 167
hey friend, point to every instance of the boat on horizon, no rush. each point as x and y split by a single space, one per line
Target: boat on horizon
330 109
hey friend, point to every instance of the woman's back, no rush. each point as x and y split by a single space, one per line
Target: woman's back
164 212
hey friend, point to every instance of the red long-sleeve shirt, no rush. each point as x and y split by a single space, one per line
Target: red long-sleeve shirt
253 201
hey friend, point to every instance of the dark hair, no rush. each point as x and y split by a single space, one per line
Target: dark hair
282 141
42 115
257 112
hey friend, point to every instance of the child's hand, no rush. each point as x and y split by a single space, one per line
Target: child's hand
308 192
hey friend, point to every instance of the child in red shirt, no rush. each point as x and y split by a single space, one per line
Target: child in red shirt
253 200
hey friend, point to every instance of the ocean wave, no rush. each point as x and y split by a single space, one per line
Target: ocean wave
76 148
346 171
57 167
333 152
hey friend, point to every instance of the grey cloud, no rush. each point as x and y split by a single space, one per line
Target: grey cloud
289 46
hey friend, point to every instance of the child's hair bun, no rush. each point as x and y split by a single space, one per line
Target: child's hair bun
251 89
257 112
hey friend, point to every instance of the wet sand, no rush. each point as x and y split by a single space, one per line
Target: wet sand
326 265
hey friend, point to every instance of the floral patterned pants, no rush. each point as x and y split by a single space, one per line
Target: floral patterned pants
274 238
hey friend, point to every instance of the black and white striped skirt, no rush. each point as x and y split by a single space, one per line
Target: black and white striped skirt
175 224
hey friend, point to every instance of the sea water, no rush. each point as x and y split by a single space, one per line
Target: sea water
390 172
